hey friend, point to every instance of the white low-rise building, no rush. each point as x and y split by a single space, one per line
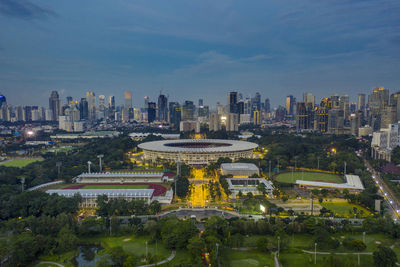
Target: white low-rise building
246 185
89 196
353 183
239 169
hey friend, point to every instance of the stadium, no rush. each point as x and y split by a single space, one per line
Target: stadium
197 151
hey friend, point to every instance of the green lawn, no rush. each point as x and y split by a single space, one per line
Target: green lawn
136 245
286 177
239 258
342 209
116 186
19 163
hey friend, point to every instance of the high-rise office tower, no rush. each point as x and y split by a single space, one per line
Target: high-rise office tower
151 112
111 102
146 102
200 102
188 111
257 101
267 106
91 99
361 102
215 122
308 98
232 102
2 100
102 103
304 116
232 122
69 100
256 117
290 106
162 108
128 100
175 114
54 105
84 109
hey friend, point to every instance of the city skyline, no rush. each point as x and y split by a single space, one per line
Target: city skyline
274 48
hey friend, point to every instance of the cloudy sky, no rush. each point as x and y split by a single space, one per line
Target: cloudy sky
197 49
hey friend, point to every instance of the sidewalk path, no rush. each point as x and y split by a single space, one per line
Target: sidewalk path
170 258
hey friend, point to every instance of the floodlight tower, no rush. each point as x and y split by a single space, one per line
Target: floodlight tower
89 163
100 157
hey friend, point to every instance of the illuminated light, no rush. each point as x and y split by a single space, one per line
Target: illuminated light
262 208
30 133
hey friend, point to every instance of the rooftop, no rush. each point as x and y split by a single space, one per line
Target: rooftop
94 193
239 166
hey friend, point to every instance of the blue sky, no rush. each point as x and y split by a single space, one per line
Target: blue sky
193 49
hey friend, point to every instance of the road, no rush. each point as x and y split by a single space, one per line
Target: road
385 191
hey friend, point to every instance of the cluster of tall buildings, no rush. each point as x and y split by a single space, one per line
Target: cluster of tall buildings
337 115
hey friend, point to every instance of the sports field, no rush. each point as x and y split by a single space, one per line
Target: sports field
287 177
116 186
19 163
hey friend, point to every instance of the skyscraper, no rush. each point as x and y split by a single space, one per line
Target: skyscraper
54 105
215 122
146 102
232 102
290 106
267 106
151 112
91 99
128 100
174 114
84 109
162 108
361 102
188 111
308 98
2 100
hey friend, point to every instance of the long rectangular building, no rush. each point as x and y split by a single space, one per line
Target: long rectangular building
353 183
121 177
90 195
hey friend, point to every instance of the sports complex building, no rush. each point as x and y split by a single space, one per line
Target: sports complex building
197 151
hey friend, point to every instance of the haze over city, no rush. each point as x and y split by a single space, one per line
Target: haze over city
183 48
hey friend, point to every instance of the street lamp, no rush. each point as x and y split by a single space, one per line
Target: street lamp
217 250
315 253
58 165
318 163
100 157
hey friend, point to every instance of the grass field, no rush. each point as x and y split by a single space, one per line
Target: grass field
342 208
116 186
286 177
19 163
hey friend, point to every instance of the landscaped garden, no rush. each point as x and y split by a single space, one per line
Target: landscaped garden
19 162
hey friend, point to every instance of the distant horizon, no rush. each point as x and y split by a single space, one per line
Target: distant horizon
119 99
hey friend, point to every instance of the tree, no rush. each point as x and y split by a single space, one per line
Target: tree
196 246
117 255
182 186
263 244
285 198
384 257
261 188
66 240
24 249
155 207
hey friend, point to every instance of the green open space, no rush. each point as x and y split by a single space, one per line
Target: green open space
345 209
240 258
116 186
289 177
19 163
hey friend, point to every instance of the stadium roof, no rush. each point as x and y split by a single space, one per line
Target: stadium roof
198 145
239 167
111 193
353 182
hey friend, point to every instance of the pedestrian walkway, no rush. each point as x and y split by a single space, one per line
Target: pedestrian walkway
170 258
51 262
